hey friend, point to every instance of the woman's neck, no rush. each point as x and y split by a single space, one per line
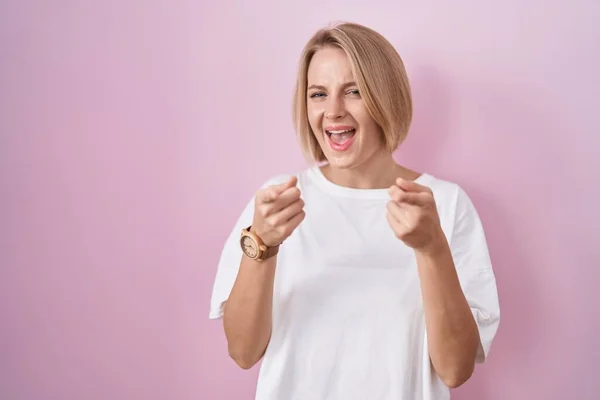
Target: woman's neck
378 173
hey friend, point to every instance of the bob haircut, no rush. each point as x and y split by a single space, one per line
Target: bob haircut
380 76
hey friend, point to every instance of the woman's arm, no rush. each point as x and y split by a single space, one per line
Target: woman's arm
248 312
452 333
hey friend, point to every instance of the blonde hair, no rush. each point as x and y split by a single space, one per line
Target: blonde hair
380 76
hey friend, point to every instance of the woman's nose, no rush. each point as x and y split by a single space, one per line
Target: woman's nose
335 110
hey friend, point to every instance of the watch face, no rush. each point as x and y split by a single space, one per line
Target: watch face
249 247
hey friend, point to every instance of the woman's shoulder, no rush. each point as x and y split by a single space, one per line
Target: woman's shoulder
449 195
440 186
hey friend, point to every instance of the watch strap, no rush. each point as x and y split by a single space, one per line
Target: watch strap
270 252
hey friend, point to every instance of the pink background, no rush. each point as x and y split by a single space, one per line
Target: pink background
133 132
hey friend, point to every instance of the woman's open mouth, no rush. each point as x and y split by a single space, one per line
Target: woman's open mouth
340 138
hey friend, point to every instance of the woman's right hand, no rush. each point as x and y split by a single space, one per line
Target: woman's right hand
278 210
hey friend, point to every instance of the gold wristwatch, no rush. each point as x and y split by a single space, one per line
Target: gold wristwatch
254 248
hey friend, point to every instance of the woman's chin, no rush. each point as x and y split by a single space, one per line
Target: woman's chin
341 161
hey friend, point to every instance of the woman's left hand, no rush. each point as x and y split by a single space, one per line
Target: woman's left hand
413 216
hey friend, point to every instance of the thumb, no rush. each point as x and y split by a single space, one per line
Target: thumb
291 182
410 186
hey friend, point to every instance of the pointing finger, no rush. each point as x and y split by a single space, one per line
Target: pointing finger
414 198
267 195
271 193
292 181
411 186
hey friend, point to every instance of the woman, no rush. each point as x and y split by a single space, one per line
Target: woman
357 278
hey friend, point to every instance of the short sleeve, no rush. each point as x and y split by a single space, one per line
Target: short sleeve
474 268
231 256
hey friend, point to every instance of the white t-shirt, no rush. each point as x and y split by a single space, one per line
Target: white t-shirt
348 319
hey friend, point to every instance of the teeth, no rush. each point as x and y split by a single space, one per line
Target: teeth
339 132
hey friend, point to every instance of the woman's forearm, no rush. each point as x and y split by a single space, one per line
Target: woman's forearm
452 333
248 312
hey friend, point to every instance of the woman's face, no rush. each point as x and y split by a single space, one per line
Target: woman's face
336 112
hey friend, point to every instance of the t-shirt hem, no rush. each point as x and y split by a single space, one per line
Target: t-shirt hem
216 313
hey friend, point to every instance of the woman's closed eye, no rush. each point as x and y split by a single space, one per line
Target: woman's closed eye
353 92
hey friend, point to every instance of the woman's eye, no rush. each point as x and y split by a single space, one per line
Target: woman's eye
354 92
317 94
